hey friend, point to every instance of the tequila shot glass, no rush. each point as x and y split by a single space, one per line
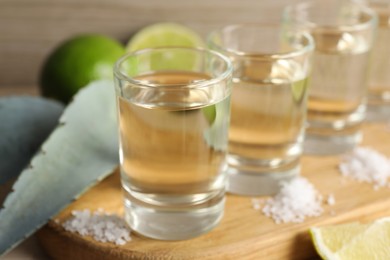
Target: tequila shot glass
379 77
268 104
343 32
173 110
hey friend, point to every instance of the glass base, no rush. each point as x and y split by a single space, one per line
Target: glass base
258 183
330 145
378 113
173 224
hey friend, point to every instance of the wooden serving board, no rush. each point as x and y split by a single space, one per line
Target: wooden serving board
244 233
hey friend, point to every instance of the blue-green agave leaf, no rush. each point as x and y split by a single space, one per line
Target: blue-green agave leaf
81 151
25 123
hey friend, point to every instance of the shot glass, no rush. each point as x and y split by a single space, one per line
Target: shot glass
343 33
379 80
268 105
173 111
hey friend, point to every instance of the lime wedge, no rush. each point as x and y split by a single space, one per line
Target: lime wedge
167 35
353 241
210 113
328 240
164 35
299 89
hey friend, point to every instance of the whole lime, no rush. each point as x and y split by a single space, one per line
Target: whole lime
77 62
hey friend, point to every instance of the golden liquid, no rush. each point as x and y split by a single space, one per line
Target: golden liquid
338 82
379 84
267 121
170 141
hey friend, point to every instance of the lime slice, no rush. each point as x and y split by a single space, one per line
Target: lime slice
353 241
210 113
328 240
299 89
164 35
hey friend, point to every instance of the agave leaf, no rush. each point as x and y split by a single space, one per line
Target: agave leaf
81 151
25 123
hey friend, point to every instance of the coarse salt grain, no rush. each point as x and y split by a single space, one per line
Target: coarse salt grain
366 165
296 200
331 200
100 226
257 203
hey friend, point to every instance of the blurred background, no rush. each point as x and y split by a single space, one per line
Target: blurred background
31 29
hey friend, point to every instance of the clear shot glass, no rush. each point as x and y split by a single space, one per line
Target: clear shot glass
173 110
268 107
379 77
343 32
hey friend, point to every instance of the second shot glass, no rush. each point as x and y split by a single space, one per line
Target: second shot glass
268 104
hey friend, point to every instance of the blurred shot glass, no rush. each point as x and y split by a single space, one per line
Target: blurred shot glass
343 33
379 80
268 104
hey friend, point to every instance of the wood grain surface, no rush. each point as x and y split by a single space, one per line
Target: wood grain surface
244 233
29 30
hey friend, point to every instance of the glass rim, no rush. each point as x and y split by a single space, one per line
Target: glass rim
259 55
372 21
201 84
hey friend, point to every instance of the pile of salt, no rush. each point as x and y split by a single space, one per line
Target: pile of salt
100 226
296 200
366 165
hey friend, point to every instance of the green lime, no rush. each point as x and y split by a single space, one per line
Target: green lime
77 62
164 35
353 241
299 89
210 113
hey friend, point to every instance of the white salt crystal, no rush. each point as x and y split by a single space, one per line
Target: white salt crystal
366 165
100 226
331 200
257 203
296 200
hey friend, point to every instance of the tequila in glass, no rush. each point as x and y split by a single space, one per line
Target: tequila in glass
336 105
379 81
173 126
268 107
343 33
